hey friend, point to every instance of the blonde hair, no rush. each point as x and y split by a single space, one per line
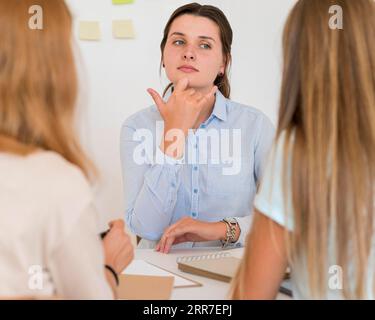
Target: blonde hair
38 82
327 112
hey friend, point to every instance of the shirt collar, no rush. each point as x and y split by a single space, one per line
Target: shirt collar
220 108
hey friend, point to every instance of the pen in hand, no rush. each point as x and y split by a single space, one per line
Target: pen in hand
103 234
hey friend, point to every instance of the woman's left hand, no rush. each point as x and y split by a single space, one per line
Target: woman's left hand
190 230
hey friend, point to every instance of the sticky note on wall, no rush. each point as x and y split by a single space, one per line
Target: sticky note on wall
123 29
122 1
89 30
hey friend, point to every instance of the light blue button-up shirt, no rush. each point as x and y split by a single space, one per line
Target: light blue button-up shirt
216 178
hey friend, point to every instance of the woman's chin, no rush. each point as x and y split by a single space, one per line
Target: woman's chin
193 83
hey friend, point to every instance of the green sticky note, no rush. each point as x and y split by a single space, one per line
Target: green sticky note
122 1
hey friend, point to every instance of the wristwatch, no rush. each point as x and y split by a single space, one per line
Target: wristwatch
231 224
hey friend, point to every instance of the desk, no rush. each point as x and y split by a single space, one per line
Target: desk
211 289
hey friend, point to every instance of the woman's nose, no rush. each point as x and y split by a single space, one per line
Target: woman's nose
189 55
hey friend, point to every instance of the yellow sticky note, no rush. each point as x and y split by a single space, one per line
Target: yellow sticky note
89 30
123 29
122 1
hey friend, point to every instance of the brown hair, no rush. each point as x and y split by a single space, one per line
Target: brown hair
327 116
38 82
226 36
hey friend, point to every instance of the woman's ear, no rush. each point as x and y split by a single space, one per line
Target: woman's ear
224 65
226 62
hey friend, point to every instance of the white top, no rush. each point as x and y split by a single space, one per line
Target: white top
270 201
49 243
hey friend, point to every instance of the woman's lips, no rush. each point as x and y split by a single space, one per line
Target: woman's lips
187 69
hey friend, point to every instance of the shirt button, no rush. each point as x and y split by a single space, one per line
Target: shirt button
195 190
196 146
196 168
194 214
173 185
238 245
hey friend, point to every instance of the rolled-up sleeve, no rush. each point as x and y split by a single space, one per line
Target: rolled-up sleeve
150 187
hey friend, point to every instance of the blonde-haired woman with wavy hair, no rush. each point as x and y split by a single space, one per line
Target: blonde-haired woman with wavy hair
315 207
49 241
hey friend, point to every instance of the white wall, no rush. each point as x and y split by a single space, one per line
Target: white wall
116 73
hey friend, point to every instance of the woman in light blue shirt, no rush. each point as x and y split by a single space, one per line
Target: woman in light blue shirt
191 162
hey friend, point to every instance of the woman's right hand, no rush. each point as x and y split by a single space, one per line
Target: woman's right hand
118 249
181 113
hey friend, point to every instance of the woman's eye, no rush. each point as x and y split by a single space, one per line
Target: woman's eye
205 46
178 42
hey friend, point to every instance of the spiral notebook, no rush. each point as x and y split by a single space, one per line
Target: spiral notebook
220 266
209 265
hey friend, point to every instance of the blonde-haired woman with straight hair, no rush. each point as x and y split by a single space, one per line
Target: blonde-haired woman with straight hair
49 239
315 207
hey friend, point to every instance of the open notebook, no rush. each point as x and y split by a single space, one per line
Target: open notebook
219 266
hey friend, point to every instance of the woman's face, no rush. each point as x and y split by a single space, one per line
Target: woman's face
194 51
